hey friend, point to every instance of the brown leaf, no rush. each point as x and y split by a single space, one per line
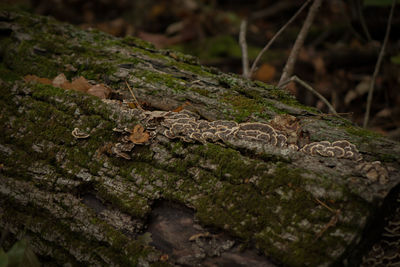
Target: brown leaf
164 257
139 135
67 86
180 108
80 84
265 73
99 90
34 78
59 80
285 122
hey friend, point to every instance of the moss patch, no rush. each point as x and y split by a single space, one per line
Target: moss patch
244 106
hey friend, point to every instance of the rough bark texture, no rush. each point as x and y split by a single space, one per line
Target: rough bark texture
78 202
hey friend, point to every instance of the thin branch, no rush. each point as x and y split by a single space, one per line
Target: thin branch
325 205
253 66
134 97
243 45
378 65
334 219
288 69
362 21
294 78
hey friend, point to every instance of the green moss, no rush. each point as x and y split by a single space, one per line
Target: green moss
38 219
283 96
200 91
193 68
360 132
6 74
264 85
388 157
162 79
227 81
180 57
243 106
134 205
229 162
134 41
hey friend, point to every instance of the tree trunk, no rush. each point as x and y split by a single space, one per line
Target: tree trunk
261 190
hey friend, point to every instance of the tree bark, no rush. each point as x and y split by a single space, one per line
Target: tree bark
171 201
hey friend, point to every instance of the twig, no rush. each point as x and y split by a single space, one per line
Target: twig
362 21
332 221
294 78
288 69
378 65
326 206
134 97
253 66
243 45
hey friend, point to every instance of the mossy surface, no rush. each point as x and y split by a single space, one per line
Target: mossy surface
262 199
258 202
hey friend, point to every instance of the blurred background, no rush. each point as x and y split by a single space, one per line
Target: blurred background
337 59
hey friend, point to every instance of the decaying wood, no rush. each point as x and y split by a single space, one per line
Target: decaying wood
104 200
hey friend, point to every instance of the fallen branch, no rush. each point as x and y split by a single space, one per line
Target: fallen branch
294 78
378 65
288 69
266 47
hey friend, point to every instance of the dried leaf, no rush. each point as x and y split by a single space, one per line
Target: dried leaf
59 80
80 84
265 73
164 257
34 78
132 105
180 108
99 90
139 135
285 122
67 86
